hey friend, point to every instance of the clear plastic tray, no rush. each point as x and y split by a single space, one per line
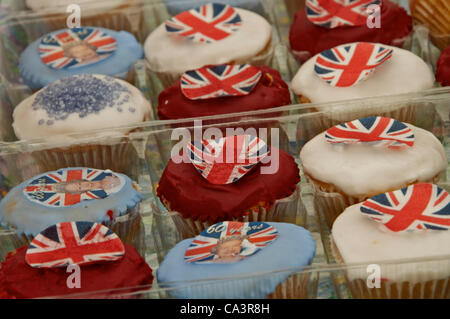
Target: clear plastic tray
151 145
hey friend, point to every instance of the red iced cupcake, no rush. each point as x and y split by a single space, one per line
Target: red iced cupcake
38 270
222 89
206 187
324 24
443 68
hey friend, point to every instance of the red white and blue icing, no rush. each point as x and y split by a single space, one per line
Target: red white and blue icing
81 95
219 81
418 207
227 159
377 130
31 214
208 23
100 51
337 13
176 6
68 187
228 242
73 48
348 64
293 249
74 243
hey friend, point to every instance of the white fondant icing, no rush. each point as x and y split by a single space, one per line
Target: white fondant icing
26 119
404 72
364 169
168 53
358 239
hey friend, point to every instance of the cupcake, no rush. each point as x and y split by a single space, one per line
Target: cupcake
231 178
87 50
353 161
107 266
211 34
176 6
72 194
435 15
361 70
406 224
443 68
222 89
240 250
81 104
322 25
112 14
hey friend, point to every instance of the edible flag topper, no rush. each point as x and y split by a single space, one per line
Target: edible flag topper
336 13
73 48
348 64
381 131
218 81
69 243
67 187
414 208
209 23
229 242
226 160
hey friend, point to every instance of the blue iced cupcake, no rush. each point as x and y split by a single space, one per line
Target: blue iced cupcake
177 6
72 194
240 250
84 50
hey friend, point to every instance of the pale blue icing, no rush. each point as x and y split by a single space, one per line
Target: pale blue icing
177 6
30 217
37 75
293 249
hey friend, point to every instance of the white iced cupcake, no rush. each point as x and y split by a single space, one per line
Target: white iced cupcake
407 224
187 42
81 104
362 70
353 161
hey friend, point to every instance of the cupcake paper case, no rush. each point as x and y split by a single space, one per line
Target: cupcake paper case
264 247
73 194
37 271
83 50
411 223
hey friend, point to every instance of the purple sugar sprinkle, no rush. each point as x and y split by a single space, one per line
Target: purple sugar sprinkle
80 94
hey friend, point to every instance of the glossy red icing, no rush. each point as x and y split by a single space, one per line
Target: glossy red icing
305 36
190 194
19 280
443 68
271 91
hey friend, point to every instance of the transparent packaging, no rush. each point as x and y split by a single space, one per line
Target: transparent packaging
151 145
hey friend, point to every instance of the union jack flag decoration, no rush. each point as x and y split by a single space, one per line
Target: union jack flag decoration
209 23
253 236
378 130
226 160
69 243
217 81
51 189
336 13
414 208
348 64
54 47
